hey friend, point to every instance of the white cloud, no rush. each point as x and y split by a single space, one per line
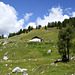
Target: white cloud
68 9
56 14
27 16
8 19
73 14
31 24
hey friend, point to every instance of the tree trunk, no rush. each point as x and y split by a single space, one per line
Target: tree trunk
68 48
64 58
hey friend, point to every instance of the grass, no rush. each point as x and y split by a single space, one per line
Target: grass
36 67
34 56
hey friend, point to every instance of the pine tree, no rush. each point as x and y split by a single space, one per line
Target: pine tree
59 25
2 36
48 25
39 26
24 30
45 27
30 28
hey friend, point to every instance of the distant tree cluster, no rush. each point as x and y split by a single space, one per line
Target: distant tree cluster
55 24
61 25
2 36
30 28
58 24
52 24
38 27
21 31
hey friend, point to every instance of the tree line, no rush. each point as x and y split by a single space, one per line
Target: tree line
2 36
23 31
60 25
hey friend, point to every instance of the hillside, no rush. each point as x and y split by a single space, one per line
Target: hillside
33 56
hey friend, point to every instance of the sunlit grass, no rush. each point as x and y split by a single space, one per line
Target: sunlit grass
34 56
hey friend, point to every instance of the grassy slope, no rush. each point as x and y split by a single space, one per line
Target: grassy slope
34 55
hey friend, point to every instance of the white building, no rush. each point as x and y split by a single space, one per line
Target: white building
36 39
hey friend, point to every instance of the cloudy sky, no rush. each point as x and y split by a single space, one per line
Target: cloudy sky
19 14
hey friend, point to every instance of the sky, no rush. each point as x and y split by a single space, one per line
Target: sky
19 14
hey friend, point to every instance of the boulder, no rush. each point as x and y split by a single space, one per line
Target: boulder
49 51
17 69
5 58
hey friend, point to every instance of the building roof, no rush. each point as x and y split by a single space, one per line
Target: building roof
36 37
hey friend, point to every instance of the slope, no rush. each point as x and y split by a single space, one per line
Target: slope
33 56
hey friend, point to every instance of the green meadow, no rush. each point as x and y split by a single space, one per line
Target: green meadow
33 55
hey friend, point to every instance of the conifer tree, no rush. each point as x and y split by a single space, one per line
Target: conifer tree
45 27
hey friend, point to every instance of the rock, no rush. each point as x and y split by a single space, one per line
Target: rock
6 53
58 61
53 46
17 69
9 69
52 63
33 69
47 66
6 64
29 59
49 51
22 70
9 60
5 42
72 58
42 72
26 45
13 44
0 49
16 46
5 58
9 73
56 64
25 73
51 40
